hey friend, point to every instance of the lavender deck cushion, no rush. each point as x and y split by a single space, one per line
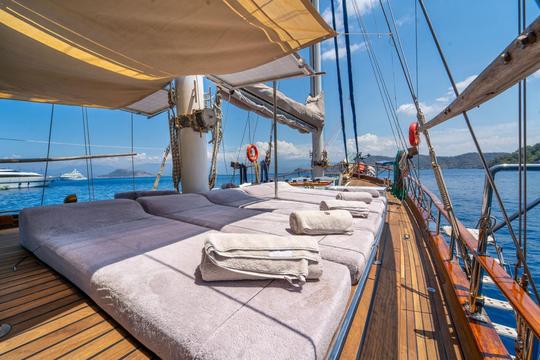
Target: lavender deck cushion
134 195
231 197
142 270
49 221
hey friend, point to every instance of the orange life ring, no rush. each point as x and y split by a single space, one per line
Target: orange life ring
361 167
252 153
414 134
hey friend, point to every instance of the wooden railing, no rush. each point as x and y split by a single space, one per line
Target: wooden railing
431 209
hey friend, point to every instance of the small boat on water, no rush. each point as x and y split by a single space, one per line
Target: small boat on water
308 182
73 175
15 179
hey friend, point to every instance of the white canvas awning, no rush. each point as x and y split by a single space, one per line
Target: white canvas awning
286 67
243 89
121 54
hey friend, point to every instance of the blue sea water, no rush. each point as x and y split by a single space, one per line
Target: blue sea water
465 187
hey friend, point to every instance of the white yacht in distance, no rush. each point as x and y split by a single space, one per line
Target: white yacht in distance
73 175
15 179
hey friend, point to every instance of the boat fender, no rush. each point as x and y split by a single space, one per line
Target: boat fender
252 153
414 134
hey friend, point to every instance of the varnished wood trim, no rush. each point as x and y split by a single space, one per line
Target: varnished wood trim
514 293
478 339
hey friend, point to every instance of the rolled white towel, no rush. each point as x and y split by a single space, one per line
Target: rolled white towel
313 222
356 208
259 256
373 191
355 196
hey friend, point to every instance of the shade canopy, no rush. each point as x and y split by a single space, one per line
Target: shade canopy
121 54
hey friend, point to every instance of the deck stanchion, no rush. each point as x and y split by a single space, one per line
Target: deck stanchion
274 94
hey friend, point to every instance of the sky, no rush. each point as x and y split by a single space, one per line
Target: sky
472 34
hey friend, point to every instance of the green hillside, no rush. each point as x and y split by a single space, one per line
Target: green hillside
533 156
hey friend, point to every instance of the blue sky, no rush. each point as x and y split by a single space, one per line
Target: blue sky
472 33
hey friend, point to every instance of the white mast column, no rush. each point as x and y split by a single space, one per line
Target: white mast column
193 145
317 141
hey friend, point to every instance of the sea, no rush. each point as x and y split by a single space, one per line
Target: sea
464 185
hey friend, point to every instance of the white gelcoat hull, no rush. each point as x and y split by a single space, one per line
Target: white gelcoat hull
22 182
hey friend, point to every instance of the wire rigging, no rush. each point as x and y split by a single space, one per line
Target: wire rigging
86 153
489 177
350 76
132 157
340 88
48 156
389 105
91 174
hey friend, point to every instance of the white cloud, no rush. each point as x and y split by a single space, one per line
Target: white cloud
463 84
410 109
536 74
363 7
440 102
492 138
330 53
404 20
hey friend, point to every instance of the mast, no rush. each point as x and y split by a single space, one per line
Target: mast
193 144
317 139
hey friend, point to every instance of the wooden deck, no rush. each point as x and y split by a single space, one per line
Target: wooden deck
50 318
402 313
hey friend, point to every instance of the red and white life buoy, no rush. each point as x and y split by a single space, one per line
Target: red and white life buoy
252 153
414 134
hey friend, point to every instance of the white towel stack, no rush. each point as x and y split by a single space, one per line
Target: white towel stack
356 208
260 256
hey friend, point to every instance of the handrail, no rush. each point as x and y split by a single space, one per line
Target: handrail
516 295
63 158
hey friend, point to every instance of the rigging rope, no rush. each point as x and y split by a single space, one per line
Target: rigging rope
217 133
350 76
90 153
524 109
174 140
389 106
161 167
223 139
340 89
48 155
435 165
489 177
86 153
132 157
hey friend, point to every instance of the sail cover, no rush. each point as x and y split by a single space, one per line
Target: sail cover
259 98
114 54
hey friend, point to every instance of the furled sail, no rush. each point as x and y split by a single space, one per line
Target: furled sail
258 98
520 59
116 53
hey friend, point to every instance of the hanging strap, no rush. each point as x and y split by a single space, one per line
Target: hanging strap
48 155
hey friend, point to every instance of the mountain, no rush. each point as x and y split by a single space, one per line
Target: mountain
120 173
533 156
463 161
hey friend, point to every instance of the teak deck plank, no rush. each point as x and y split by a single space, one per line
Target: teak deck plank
50 318
408 318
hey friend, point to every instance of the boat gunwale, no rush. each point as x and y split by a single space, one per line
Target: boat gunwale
485 340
